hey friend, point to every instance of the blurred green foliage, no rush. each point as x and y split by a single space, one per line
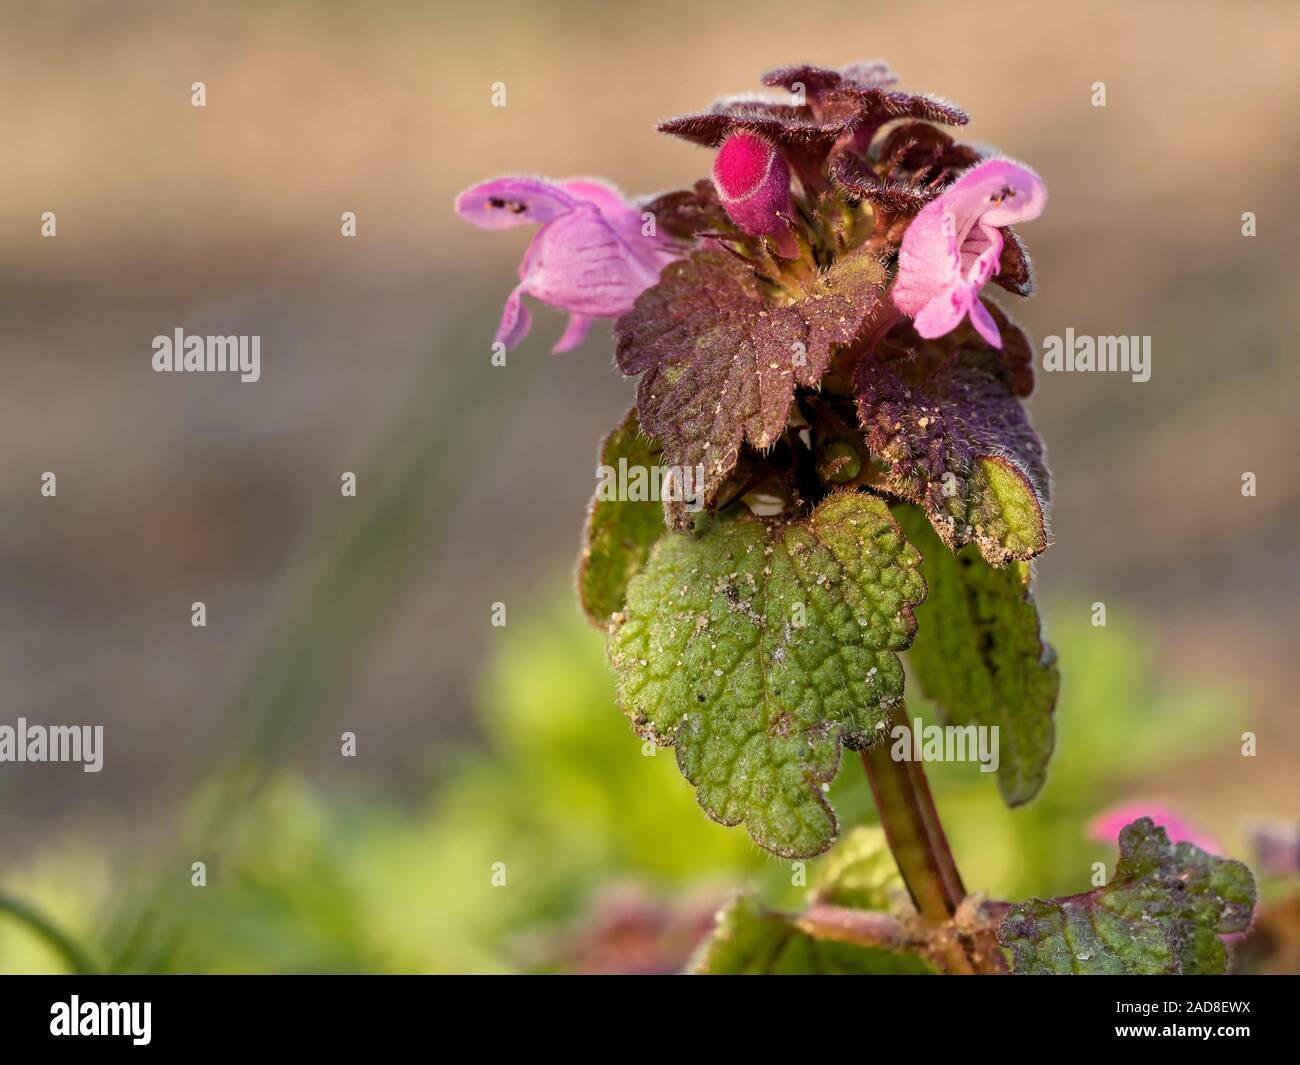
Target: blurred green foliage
300 878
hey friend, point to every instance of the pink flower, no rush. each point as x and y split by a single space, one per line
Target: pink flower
952 247
1106 827
590 257
753 183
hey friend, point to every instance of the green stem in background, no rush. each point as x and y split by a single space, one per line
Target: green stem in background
64 945
348 577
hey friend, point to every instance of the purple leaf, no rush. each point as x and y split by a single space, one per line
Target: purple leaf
946 428
721 352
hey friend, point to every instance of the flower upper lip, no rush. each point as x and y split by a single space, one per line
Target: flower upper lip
590 257
953 246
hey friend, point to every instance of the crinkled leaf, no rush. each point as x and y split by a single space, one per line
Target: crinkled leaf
980 654
750 940
792 127
871 73
1017 352
872 108
721 352
686 213
949 432
873 104
805 139
849 105
619 532
1015 269
757 649
922 155
858 178
861 90
1162 913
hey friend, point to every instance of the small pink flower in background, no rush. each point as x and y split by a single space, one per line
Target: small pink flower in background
753 183
1105 828
952 247
589 258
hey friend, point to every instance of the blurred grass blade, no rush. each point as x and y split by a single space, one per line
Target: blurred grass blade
43 928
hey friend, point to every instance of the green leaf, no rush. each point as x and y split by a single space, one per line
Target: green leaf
943 420
859 872
980 654
1161 913
750 940
1004 512
756 648
619 532
720 351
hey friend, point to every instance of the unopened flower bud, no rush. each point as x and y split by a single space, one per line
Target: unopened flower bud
753 183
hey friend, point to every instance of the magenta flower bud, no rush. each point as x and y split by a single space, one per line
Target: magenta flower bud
753 183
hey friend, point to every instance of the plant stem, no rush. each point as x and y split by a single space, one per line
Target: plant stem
942 946
862 928
916 837
912 828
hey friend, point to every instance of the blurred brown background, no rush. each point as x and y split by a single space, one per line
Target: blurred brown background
375 350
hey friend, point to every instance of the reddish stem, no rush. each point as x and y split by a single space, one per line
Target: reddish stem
912 827
920 848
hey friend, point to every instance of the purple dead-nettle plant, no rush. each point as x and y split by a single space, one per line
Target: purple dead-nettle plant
814 330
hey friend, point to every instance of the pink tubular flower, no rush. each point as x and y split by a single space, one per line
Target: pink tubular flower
1105 828
952 247
753 183
589 258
